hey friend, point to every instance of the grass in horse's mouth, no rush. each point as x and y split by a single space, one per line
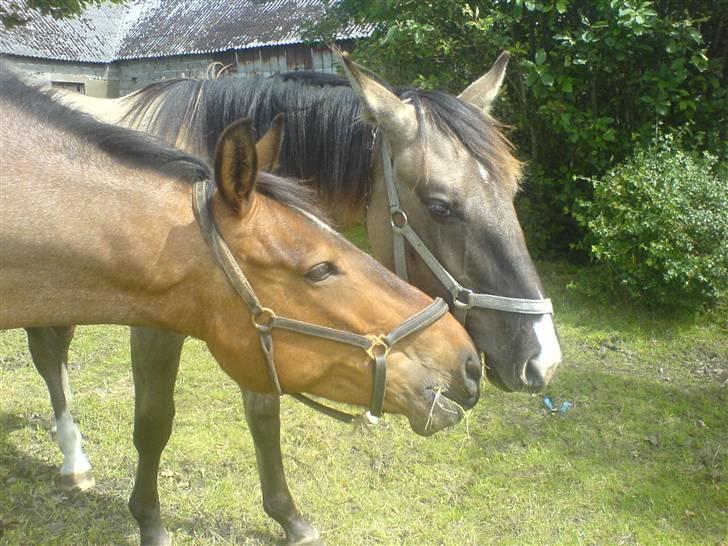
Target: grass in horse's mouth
483 369
459 410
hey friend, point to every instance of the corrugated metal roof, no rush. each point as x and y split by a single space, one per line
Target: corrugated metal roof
89 38
160 28
172 27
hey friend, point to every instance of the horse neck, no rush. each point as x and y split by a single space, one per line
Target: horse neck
105 110
125 252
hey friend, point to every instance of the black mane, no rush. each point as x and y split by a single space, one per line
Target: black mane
137 149
324 139
467 123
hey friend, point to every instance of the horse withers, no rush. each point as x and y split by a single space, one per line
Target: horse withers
97 226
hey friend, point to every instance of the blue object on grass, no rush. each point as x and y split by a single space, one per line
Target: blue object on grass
563 408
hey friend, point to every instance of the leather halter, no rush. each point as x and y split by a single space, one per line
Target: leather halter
463 299
265 320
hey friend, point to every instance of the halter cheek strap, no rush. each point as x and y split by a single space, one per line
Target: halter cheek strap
463 299
265 320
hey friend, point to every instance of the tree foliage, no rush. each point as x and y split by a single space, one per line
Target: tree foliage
658 225
16 12
589 80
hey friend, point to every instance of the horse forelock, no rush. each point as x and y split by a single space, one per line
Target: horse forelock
478 133
292 194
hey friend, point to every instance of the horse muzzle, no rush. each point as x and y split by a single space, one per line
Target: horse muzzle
531 376
444 406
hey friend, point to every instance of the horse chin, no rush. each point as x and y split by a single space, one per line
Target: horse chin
495 379
441 413
515 382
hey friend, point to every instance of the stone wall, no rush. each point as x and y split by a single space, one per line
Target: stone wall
137 73
124 76
113 79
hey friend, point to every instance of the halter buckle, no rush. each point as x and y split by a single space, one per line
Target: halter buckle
263 318
379 347
398 219
461 299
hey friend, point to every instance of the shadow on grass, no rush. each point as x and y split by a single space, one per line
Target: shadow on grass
649 452
575 306
34 506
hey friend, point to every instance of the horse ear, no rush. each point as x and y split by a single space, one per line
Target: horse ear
380 106
236 164
483 91
268 148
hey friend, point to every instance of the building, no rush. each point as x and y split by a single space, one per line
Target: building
112 50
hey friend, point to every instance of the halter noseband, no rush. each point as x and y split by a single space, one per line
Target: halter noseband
266 320
463 299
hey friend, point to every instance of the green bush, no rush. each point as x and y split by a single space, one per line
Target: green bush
587 83
658 224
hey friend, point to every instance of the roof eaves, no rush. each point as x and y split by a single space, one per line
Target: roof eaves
54 58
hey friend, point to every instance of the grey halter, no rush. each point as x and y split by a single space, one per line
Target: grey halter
265 319
463 299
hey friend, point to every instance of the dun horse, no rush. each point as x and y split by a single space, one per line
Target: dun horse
97 226
422 162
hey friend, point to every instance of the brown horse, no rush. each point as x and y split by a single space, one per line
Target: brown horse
455 177
96 226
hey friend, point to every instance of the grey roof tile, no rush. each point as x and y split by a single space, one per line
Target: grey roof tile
89 38
160 28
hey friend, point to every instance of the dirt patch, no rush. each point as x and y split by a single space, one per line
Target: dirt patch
707 363
13 362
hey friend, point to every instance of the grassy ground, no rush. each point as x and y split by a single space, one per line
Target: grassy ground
641 458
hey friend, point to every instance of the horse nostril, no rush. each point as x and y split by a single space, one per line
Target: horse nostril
534 380
536 377
473 369
473 373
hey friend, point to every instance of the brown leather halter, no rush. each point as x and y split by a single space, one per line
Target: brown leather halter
265 320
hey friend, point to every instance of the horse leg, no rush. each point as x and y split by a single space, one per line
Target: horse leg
49 349
155 358
263 413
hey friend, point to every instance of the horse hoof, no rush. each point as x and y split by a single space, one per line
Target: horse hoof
154 535
313 539
160 540
78 482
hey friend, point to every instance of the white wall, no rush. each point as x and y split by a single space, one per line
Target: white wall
100 80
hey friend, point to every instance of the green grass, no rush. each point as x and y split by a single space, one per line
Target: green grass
642 458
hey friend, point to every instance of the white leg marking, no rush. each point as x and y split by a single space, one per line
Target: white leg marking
70 441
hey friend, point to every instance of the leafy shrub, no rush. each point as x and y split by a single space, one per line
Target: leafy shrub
658 224
588 81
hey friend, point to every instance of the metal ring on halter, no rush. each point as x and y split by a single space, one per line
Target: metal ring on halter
378 342
461 299
268 317
395 215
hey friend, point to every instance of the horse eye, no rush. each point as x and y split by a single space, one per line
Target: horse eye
439 209
320 272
